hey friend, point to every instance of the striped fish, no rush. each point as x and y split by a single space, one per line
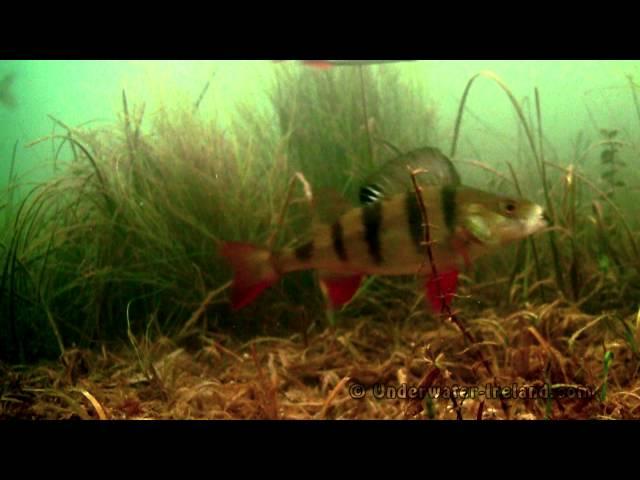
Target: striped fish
385 235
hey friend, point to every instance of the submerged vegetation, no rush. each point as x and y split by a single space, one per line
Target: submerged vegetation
121 246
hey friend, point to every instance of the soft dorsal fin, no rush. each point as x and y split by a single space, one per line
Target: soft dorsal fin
393 177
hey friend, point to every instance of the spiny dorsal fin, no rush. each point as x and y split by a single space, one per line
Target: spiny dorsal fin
329 205
393 176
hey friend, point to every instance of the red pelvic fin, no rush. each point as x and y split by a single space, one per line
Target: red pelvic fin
339 289
253 271
441 288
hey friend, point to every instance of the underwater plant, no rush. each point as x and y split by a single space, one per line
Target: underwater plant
610 162
122 229
121 252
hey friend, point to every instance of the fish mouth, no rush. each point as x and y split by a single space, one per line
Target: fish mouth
516 230
538 220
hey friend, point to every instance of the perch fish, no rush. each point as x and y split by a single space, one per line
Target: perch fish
385 235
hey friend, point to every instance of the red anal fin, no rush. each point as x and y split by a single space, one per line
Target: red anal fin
441 288
340 289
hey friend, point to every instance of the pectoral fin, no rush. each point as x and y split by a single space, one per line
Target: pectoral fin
339 288
441 288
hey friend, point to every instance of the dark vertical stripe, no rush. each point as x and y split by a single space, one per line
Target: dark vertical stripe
414 218
338 241
449 206
304 252
371 220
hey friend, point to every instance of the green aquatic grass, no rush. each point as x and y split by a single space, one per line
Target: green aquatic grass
125 235
536 150
572 193
336 123
128 226
128 229
606 365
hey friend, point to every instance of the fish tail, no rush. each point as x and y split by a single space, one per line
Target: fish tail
254 271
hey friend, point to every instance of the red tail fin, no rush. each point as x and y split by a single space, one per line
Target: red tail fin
253 271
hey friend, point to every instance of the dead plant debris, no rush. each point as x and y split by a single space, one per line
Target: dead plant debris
363 369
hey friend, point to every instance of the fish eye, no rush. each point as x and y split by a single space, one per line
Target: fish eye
509 207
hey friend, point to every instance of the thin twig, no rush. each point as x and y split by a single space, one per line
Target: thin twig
136 133
532 144
396 151
308 195
69 133
456 408
203 93
95 403
202 308
127 125
12 186
633 86
607 199
332 396
543 175
444 306
534 250
415 406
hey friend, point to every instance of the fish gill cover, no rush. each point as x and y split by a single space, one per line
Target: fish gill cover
112 263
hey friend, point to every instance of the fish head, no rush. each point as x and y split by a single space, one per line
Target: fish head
495 220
